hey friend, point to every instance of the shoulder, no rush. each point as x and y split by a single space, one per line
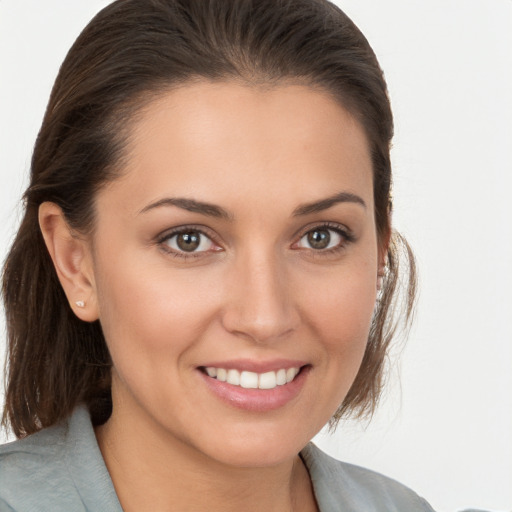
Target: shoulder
342 486
31 467
57 469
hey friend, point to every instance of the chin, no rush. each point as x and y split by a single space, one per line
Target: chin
257 455
263 446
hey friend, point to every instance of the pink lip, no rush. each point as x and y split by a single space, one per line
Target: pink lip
256 400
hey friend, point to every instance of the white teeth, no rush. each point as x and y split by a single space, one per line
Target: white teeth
291 373
267 380
212 372
233 377
249 380
253 380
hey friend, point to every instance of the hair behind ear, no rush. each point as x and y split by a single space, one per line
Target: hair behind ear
393 312
54 359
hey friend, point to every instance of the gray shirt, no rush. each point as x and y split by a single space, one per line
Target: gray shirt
60 469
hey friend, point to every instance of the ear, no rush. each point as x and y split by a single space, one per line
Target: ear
383 256
72 259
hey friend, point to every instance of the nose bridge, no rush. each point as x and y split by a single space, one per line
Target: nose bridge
260 305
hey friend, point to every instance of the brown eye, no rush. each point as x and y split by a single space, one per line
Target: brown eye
189 241
321 238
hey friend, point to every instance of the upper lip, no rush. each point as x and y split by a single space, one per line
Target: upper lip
250 365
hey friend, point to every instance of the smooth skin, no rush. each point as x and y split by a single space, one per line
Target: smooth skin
272 272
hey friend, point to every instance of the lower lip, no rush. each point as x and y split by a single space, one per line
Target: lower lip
257 400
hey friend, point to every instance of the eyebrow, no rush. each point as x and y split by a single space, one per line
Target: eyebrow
191 205
212 210
324 204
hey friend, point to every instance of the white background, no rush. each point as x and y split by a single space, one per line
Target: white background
445 427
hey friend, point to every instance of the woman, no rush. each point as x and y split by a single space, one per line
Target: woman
205 272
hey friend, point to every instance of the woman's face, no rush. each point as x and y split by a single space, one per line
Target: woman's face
239 242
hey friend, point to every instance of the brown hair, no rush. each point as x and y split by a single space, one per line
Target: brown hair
130 52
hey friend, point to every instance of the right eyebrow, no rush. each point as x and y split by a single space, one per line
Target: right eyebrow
191 205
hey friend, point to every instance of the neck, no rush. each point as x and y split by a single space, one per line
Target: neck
153 471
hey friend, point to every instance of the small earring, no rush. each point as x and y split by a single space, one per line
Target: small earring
380 280
80 303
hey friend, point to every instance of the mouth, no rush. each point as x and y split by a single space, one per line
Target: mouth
253 380
256 386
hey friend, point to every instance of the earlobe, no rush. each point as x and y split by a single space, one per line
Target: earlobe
72 260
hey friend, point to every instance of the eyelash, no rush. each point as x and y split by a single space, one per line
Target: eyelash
345 234
168 235
347 237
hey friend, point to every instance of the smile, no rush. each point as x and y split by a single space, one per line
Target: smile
253 380
256 386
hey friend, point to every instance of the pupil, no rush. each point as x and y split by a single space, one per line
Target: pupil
188 241
319 239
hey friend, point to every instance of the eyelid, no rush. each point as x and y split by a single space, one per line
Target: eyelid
343 230
347 237
203 230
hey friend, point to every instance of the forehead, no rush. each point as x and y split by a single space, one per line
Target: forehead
290 142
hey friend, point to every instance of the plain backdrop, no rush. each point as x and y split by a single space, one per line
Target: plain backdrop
445 425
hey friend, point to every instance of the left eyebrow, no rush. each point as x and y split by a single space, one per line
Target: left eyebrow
324 204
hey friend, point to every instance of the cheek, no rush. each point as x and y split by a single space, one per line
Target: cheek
341 306
149 314
338 316
345 328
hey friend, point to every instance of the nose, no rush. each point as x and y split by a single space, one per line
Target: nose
260 304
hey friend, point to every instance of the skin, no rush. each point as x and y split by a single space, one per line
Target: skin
257 290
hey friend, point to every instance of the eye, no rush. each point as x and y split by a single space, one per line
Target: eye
188 241
322 238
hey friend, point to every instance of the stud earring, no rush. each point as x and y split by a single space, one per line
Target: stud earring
80 303
380 280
